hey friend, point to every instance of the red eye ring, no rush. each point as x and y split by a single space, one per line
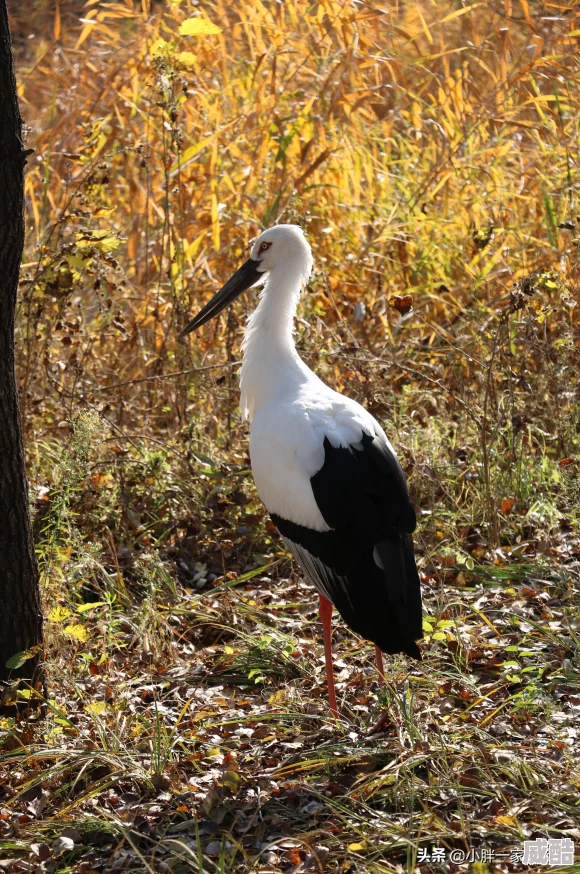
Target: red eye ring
265 246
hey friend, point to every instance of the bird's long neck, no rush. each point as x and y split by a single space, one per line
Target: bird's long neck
271 365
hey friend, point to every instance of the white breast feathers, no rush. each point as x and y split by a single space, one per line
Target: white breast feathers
287 448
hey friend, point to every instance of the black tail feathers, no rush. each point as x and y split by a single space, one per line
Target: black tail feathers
380 598
376 589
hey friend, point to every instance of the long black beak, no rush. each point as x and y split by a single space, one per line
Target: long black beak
247 275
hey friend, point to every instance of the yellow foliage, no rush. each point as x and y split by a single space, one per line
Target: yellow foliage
198 27
78 631
97 708
186 58
58 614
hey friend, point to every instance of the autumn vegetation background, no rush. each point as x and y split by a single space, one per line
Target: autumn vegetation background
430 151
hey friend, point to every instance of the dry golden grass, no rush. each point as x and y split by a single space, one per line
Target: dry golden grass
397 137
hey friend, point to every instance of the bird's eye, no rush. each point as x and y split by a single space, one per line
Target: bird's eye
264 247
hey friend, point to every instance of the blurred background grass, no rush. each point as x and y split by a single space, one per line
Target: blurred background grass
428 149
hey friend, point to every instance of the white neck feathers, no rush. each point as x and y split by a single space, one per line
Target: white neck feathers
271 364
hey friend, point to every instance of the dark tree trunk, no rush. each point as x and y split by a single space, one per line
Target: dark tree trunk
20 613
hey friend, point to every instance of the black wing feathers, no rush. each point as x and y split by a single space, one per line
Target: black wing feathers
376 456
365 565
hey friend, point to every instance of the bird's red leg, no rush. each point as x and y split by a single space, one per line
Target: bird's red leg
325 610
379 661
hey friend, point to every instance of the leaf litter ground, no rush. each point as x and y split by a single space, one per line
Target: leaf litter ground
219 752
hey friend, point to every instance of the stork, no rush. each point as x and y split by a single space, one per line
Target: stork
322 465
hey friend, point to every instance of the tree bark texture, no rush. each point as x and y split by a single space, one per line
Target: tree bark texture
20 611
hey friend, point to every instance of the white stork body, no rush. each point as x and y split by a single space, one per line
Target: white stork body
322 464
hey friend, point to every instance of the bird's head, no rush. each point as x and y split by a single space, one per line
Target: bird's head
281 248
